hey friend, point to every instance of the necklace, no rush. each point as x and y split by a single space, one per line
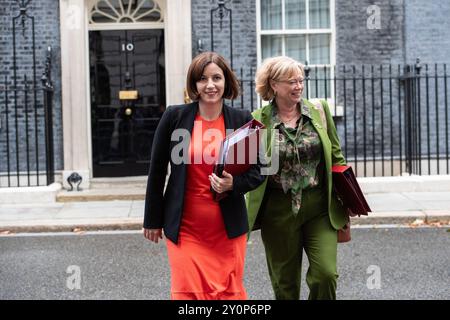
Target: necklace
288 120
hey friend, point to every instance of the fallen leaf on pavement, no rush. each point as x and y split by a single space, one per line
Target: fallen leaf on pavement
417 222
77 230
436 224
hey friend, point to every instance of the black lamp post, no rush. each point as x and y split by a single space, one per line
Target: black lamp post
23 4
221 11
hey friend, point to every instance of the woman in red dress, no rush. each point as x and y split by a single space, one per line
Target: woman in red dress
207 239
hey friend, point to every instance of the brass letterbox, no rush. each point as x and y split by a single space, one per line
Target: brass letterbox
128 94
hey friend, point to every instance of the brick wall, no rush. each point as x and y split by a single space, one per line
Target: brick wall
427 27
243 39
357 44
408 29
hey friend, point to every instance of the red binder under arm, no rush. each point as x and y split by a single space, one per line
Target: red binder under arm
238 152
347 188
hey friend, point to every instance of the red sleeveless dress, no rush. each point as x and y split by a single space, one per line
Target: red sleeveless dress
205 264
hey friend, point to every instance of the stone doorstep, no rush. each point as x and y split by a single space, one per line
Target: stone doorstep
126 182
36 195
101 195
108 189
105 197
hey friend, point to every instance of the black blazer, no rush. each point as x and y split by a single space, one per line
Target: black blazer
165 210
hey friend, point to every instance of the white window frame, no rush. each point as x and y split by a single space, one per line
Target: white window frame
331 31
117 25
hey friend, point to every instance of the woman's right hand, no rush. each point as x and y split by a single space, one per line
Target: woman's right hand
153 234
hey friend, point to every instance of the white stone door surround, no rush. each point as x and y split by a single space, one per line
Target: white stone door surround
74 25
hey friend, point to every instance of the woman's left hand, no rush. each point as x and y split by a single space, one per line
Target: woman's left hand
221 184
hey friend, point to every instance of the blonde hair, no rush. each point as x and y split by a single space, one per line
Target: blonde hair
276 68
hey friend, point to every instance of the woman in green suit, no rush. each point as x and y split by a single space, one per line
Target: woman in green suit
295 206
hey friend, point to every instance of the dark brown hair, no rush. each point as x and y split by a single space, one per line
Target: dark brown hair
195 72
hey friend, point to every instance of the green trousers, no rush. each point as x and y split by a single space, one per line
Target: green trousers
285 236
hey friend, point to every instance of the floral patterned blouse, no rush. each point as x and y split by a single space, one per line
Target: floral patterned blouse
300 155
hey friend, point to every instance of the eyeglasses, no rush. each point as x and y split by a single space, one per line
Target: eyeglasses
293 82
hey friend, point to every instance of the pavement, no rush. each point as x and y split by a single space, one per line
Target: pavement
405 208
378 264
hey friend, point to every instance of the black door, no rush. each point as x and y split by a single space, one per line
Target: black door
127 99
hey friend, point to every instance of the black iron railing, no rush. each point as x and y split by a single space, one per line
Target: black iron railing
26 126
26 153
391 119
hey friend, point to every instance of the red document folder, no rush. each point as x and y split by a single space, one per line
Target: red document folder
347 188
238 151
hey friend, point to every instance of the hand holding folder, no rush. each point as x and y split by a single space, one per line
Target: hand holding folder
238 151
347 188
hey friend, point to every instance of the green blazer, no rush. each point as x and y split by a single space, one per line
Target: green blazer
331 151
